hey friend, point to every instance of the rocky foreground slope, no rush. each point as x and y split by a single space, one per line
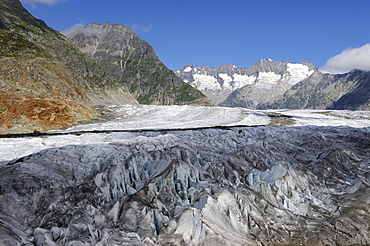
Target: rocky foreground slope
37 92
234 186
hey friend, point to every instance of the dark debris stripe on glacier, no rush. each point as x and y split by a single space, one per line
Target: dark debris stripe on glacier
235 186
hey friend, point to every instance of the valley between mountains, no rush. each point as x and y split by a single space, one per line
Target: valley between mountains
101 144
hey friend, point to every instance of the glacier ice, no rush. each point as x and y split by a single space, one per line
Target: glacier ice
228 186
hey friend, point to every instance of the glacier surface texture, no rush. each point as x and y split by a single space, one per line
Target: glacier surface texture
229 186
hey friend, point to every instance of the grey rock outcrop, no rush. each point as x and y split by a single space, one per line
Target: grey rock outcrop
238 186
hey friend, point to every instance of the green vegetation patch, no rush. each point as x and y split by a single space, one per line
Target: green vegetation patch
15 45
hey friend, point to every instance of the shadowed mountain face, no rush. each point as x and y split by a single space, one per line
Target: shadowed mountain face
239 186
133 63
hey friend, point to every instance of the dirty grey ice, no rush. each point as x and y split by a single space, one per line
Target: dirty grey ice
264 185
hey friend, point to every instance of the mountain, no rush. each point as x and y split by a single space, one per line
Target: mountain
265 80
276 84
349 91
100 87
306 185
133 62
45 81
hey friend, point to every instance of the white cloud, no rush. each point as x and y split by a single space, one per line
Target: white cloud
349 59
73 29
137 28
79 27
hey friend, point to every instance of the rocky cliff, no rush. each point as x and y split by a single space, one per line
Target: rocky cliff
275 84
133 63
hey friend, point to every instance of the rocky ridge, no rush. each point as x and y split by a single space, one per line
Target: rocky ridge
133 62
348 91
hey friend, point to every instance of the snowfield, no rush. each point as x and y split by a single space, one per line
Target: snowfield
149 117
137 117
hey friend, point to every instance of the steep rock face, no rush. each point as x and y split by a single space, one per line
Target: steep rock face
37 92
327 91
357 96
239 186
133 63
97 83
265 81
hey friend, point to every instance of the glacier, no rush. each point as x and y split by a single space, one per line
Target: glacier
164 175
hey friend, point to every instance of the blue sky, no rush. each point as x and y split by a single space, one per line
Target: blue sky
221 32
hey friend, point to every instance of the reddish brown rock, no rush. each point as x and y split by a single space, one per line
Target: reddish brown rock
38 94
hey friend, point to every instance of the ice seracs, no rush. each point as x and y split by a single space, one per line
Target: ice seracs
218 186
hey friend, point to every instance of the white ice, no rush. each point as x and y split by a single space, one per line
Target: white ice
136 117
267 80
241 80
205 82
188 69
298 72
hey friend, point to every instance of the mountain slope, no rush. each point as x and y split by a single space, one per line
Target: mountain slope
133 63
37 92
100 87
45 81
327 91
